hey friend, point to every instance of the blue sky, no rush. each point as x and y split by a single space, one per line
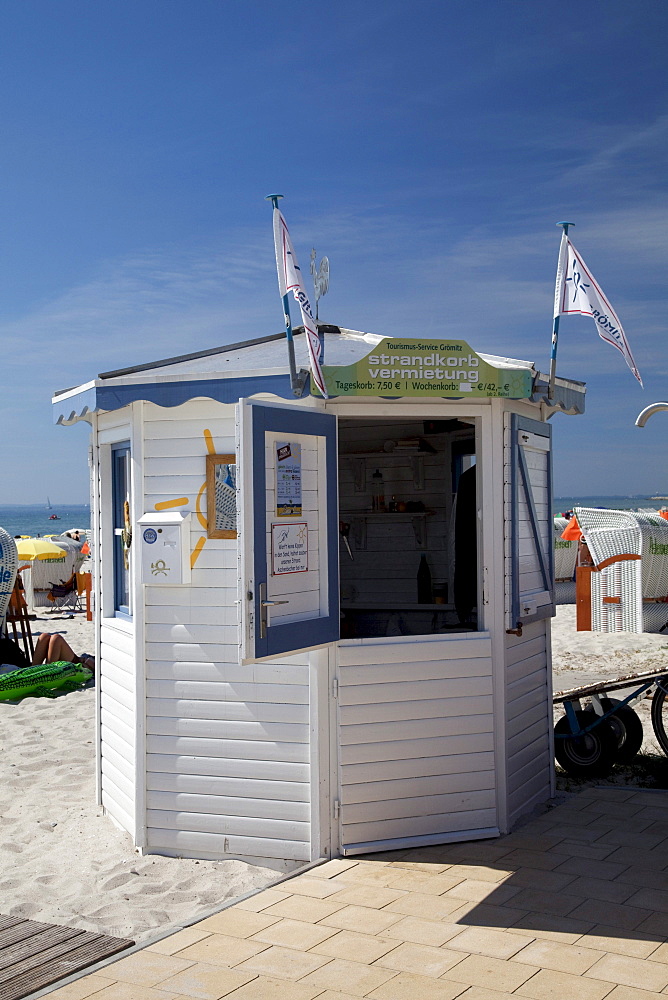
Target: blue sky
428 149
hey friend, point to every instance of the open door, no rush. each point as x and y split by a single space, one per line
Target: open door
288 528
531 552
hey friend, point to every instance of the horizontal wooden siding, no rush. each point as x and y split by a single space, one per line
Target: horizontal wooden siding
416 739
227 746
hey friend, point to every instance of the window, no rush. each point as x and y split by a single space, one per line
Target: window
409 526
121 526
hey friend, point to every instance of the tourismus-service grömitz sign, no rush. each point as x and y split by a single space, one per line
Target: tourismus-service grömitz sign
447 368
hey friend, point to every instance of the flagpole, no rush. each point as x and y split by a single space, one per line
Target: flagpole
555 334
296 381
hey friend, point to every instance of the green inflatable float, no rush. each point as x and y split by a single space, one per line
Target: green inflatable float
47 680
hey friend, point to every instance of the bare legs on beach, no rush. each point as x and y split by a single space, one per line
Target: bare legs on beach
51 648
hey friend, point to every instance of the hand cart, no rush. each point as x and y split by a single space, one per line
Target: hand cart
589 740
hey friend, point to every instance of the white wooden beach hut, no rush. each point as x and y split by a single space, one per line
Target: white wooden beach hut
274 690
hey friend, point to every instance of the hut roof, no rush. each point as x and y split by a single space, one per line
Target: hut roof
225 373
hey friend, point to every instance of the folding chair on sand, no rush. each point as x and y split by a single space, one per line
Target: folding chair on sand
65 596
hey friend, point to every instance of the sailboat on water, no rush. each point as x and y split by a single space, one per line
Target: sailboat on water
52 517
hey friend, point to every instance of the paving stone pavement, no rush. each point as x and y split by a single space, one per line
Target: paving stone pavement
572 906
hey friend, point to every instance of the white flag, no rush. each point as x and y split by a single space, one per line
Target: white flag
290 280
577 291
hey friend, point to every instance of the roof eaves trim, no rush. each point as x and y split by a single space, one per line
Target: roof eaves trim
94 397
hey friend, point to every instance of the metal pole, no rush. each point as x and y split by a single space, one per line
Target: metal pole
555 333
295 382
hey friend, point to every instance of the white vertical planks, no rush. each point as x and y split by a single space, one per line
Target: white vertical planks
116 655
528 685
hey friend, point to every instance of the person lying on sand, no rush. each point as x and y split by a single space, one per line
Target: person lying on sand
48 649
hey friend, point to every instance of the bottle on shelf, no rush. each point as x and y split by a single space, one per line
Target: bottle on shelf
424 592
377 492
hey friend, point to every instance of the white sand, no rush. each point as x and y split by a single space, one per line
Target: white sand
62 861
580 658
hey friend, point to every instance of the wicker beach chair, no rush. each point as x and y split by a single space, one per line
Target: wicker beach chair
18 620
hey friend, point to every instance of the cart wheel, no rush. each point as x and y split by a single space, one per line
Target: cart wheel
592 755
659 712
628 729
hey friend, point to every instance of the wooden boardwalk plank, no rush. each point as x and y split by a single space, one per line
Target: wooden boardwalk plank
6 922
30 951
34 955
10 936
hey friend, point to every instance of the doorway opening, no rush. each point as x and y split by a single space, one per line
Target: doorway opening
408 550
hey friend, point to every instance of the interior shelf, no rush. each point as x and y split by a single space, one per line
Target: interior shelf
393 606
359 462
359 518
381 514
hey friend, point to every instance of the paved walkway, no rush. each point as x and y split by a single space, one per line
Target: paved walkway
573 906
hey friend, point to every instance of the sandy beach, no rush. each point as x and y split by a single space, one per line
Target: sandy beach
583 657
62 861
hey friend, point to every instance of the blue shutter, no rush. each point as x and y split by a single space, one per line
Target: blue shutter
531 554
287 612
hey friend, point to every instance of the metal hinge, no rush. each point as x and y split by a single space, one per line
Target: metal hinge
335 688
337 808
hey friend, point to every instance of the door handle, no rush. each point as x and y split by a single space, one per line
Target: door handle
264 604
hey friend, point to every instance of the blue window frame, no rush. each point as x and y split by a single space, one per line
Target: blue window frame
120 497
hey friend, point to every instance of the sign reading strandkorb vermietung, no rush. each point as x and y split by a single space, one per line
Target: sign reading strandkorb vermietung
397 367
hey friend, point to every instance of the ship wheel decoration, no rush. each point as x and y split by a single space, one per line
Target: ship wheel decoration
186 502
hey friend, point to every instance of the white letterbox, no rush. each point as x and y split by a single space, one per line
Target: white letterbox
164 537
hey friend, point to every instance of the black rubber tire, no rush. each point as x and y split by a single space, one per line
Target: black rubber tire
590 756
628 729
659 713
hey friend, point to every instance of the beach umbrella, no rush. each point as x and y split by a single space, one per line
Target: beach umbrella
38 548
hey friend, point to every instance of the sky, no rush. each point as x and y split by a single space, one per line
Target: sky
428 149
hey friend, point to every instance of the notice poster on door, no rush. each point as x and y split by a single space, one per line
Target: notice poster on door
288 479
289 548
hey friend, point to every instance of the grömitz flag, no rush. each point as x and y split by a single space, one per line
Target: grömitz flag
290 280
577 291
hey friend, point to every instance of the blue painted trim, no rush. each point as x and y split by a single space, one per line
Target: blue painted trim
224 390
519 478
315 631
120 451
76 406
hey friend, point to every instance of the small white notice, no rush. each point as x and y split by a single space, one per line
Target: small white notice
289 548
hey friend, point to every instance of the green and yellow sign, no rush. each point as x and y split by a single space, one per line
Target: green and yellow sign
422 368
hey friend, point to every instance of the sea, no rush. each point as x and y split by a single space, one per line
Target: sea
636 502
34 519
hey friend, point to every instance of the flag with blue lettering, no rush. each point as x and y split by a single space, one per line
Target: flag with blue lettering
290 280
577 291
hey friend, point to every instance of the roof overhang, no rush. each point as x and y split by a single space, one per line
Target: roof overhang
100 396
103 396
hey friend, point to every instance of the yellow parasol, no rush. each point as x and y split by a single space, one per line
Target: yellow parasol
39 548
